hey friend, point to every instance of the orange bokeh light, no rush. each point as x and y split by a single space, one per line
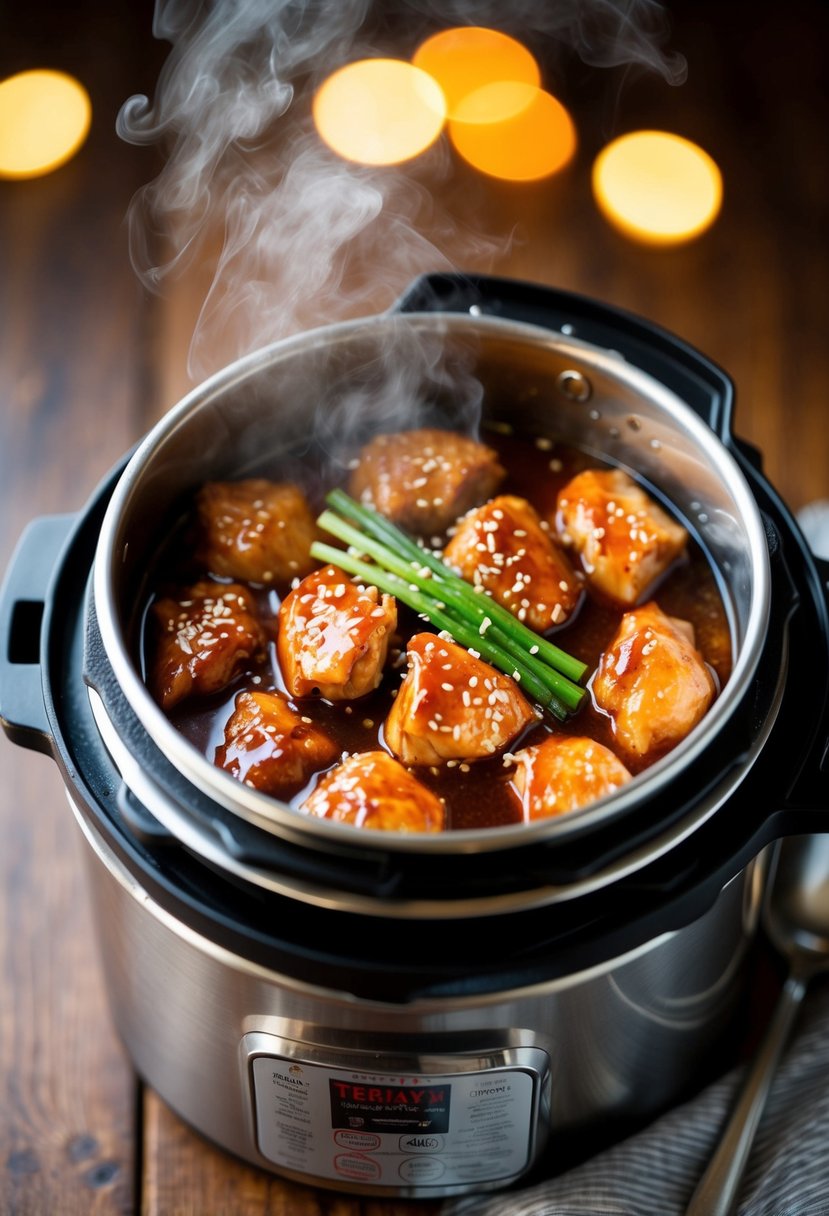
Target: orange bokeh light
657 188
467 58
514 131
44 119
379 111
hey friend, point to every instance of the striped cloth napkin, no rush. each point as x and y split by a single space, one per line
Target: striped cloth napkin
654 1173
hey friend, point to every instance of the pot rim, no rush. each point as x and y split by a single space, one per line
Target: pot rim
267 812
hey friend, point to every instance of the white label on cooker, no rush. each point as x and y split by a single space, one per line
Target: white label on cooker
394 1130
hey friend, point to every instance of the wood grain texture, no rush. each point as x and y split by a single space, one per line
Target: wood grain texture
87 364
66 1116
71 364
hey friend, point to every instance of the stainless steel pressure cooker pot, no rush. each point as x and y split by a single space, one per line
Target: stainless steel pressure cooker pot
402 1014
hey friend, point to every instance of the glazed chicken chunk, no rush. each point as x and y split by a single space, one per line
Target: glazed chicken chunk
625 539
371 790
334 636
271 747
563 773
452 706
502 547
203 640
653 682
425 479
255 530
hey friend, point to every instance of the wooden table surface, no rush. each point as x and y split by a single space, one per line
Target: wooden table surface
88 362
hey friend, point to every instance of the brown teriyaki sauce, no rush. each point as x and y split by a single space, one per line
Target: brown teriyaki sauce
478 798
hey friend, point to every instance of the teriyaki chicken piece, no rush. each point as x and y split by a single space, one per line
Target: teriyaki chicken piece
334 636
652 682
203 639
255 530
372 790
452 706
502 547
625 539
423 480
270 746
563 773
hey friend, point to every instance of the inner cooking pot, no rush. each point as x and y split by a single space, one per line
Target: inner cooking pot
324 393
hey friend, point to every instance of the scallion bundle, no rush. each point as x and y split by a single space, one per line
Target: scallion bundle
419 579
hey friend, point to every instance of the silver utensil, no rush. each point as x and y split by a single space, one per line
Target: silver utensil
796 918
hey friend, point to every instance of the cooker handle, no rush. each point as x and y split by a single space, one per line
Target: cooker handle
701 384
806 806
24 596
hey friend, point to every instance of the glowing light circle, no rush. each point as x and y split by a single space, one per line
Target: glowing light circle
467 58
514 131
657 188
44 120
379 111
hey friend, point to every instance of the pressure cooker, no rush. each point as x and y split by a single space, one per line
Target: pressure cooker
409 1014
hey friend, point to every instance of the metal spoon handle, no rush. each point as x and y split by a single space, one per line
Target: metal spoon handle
717 1190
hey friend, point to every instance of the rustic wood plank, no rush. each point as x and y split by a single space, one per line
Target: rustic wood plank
66 1118
70 361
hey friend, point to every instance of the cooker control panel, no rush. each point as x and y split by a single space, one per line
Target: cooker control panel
414 1123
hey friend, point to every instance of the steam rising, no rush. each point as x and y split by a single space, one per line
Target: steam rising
295 237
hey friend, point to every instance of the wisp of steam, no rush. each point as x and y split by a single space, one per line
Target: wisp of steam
295 237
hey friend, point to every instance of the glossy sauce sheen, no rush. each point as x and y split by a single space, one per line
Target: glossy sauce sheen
477 798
